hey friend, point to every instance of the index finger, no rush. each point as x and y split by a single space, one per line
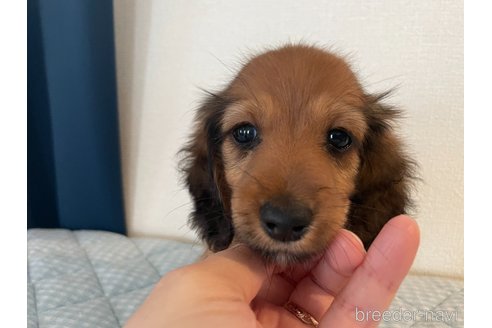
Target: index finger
376 280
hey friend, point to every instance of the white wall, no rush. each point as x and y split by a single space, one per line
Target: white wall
167 49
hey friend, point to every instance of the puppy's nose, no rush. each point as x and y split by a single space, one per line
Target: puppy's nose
288 222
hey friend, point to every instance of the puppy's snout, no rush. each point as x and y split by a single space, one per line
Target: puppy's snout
285 222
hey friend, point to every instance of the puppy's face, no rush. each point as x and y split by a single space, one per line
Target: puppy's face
284 155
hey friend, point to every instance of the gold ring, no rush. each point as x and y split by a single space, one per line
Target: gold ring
301 314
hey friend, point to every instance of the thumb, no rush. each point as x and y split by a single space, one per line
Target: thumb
239 268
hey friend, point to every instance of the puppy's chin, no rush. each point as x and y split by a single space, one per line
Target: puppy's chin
284 258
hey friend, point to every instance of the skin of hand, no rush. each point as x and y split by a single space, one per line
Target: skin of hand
234 288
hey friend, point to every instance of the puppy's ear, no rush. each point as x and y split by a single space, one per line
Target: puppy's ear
204 175
385 174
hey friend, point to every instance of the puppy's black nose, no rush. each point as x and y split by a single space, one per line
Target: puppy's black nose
285 222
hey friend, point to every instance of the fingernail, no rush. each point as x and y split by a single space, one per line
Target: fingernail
357 239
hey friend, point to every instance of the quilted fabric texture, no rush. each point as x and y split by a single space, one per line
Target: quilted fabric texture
98 279
94 278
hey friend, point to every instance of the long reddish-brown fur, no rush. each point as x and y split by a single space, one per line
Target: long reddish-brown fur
294 95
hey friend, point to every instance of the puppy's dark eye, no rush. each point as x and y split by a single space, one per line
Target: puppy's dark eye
339 139
245 134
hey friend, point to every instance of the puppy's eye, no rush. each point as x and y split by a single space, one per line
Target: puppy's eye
339 139
245 134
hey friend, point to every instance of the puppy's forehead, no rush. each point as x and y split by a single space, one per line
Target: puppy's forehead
297 86
296 74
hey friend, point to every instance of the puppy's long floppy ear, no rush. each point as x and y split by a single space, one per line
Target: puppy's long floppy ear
203 170
385 174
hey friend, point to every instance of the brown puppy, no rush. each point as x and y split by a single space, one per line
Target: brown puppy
290 152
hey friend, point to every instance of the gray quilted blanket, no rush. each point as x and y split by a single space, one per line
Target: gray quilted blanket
98 279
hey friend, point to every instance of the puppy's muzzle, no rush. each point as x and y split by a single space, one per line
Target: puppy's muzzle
285 220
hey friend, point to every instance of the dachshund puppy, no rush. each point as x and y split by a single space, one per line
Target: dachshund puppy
291 151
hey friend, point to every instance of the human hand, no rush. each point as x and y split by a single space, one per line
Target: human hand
234 288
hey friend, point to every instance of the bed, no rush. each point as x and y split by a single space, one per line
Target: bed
89 278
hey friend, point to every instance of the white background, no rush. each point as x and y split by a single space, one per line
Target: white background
166 50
